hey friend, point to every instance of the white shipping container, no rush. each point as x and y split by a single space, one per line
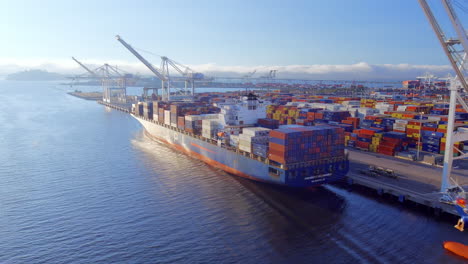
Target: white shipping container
207 133
433 118
351 103
256 131
193 117
401 108
401 121
401 127
167 117
245 147
251 139
209 116
234 140
210 124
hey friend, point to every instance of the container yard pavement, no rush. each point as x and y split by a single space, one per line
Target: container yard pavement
415 176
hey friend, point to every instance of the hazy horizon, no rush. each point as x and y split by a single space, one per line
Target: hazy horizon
300 39
362 71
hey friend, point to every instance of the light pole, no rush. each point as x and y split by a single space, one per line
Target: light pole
419 138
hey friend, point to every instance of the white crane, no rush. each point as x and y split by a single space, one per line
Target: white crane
271 74
456 50
250 74
84 67
113 81
187 75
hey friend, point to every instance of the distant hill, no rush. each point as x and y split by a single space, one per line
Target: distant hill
35 75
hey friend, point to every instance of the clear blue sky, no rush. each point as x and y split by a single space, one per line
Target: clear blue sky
224 32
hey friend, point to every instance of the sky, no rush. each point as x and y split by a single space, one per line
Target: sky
303 39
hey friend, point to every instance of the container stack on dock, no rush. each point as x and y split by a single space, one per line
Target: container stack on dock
408 118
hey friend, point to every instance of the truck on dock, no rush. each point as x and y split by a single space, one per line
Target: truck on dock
375 171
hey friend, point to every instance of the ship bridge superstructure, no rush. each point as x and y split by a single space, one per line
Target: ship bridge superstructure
244 111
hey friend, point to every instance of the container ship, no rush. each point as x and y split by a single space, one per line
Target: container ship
234 135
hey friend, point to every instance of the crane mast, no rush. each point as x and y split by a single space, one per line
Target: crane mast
458 63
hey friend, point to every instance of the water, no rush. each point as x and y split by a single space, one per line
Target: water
82 184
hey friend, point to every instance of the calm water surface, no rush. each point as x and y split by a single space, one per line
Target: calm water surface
82 184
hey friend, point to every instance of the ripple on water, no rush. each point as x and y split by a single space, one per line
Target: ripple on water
84 185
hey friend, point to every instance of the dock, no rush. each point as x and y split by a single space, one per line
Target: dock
415 182
92 96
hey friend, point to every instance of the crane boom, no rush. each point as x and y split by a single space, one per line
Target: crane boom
444 43
143 60
462 35
84 67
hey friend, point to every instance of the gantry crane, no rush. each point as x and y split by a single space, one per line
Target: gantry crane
271 74
113 81
187 75
84 67
250 74
456 50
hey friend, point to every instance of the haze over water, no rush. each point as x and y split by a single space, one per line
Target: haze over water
80 183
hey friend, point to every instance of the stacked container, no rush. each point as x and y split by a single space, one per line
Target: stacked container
139 109
391 142
148 110
254 135
209 128
431 141
167 117
193 123
268 123
302 144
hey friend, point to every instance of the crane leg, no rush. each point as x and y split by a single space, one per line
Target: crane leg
460 225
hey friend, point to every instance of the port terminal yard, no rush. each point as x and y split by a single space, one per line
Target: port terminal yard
415 182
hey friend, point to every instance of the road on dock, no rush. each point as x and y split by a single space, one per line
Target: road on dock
414 175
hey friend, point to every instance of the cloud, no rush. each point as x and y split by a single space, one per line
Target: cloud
357 71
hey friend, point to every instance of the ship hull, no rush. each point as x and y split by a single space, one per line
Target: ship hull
241 164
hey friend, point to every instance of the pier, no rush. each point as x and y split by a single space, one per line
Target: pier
92 96
415 182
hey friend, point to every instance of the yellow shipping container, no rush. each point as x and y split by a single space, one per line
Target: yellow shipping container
443 140
442 126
